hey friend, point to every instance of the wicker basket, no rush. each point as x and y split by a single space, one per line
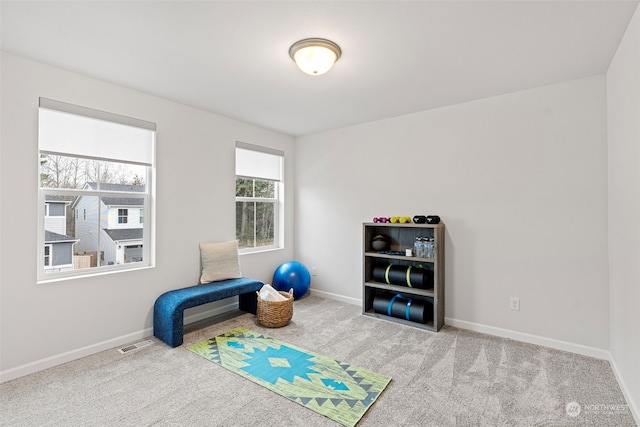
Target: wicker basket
275 314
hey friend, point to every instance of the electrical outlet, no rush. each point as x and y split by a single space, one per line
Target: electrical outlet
314 271
514 303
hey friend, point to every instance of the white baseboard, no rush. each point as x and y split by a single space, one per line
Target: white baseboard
500 332
336 297
633 405
49 362
584 350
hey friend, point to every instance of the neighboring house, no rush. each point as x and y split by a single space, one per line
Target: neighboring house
58 247
111 231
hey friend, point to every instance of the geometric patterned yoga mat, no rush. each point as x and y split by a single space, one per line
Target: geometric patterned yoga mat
334 389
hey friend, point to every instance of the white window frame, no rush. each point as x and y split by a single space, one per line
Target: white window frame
148 196
278 200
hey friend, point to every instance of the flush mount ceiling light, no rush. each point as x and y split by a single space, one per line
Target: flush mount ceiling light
315 56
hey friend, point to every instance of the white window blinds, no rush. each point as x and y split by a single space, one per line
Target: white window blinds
79 131
257 162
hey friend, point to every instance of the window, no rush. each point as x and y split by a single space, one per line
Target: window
54 209
123 214
101 165
141 216
259 197
47 255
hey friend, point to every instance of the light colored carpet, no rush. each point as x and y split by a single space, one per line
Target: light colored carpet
450 378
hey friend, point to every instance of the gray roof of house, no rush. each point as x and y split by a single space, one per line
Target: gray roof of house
124 233
120 201
58 199
117 187
51 237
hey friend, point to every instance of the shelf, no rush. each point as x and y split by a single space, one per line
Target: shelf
400 257
401 289
399 238
429 325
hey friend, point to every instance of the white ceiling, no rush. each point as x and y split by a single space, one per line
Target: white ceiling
399 57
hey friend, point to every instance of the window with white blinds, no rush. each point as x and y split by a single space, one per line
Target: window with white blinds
259 200
100 164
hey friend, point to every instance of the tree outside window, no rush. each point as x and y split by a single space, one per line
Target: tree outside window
258 197
255 212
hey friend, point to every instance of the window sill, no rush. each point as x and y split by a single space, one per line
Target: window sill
257 251
60 278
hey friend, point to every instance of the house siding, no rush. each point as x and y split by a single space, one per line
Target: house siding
87 224
62 253
56 224
108 247
90 228
133 217
55 220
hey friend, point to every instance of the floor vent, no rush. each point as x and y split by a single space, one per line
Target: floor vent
133 347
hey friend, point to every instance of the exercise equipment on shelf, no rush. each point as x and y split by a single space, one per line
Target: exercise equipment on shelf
403 275
415 310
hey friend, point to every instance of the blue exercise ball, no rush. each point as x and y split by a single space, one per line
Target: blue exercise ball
292 274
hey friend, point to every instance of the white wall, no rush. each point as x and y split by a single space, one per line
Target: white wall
45 324
520 181
623 93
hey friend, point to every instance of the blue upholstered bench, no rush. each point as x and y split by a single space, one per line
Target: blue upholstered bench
168 310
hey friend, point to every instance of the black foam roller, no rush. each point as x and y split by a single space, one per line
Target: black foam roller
419 311
420 278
